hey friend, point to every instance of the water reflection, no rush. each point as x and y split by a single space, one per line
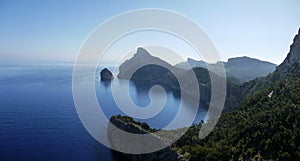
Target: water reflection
106 83
143 87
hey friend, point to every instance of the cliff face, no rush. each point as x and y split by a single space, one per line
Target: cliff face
292 61
115 139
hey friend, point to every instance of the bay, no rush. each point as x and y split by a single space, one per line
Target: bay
38 120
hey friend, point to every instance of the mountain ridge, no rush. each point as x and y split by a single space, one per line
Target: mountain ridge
292 61
242 68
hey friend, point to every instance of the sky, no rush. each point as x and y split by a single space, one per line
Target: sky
34 31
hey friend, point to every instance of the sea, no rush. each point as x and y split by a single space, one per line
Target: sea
39 121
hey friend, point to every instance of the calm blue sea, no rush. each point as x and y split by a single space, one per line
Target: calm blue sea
38 120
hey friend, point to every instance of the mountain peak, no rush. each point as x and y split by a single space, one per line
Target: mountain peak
142 51
293 58
141 58
294 54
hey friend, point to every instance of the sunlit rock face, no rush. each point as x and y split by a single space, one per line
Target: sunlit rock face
292 61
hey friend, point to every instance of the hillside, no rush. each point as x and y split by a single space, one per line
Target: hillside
266 126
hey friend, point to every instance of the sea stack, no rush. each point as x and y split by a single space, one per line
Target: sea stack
106 75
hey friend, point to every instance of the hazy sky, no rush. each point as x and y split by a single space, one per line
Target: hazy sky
34 31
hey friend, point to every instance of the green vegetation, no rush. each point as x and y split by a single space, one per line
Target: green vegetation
265 127
130 120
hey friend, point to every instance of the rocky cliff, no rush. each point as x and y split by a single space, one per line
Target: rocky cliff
292 61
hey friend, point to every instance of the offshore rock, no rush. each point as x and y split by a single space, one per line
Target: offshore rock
106 74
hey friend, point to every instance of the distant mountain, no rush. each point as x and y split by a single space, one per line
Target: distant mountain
151 67
191 63
241 68
246 69
145 67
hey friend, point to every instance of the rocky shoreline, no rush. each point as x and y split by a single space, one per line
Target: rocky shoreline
129 125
